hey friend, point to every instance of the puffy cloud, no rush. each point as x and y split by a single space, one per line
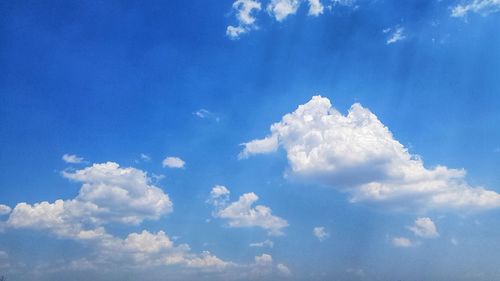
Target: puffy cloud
72 159
403 242
483 7
109 193
396 35
265 243
357 154
315 7
283 270
320 233
241 213
264 259
425 228
281 9
173 162
244 13
4 209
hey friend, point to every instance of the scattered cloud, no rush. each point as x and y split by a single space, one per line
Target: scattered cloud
320 233
403 242
241 213
357 154
244 10
482 7
72 159
263 244
315 8
173 162
397 34
425 228
4 210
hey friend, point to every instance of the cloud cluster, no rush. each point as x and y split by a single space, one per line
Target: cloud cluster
421 228
357 154
245 11
483 7
241 213
111 194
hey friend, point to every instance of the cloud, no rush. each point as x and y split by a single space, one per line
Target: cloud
483 7
320 233
72 159
266 243
109 193
173 162
357 154
246 21
315 8
403 242
281 9
425 228
283 270
241 213
145 157
396 35
4 210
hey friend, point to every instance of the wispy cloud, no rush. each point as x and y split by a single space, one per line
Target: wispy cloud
396 34
483 7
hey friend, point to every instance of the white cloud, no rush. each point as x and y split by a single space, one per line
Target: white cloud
173 162
281 9
283 270
246 21
425 228
265 243
320 233
396 35
357 154
72 159
483 7
4 209
241 213
315 7
403 242
108 194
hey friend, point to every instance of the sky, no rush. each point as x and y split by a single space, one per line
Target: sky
250 140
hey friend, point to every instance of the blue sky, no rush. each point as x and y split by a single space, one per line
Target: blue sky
362 137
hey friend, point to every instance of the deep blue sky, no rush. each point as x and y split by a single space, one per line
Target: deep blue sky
109 80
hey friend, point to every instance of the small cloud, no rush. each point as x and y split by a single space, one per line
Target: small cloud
266 243
315 8
203 113
72 159
320 233
425 228
396 35
403 242
4 209
173 162
454 241
283 270
145 157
